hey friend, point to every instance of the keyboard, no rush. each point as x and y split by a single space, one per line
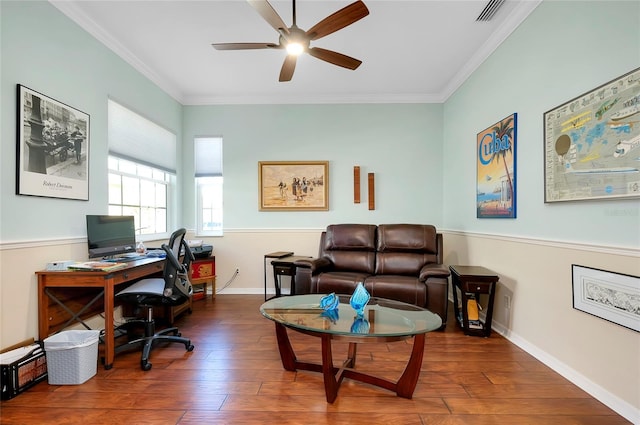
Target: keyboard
125 259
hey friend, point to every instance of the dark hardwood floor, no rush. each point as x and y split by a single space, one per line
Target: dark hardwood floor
234 376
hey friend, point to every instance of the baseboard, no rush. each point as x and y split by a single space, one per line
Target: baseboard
246 291
615 403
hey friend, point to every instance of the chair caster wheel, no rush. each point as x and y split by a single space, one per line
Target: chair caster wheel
190 347
177 334
145 366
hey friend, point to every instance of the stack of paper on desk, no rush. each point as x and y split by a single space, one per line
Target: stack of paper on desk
97 266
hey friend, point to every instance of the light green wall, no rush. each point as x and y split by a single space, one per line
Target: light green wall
533 71
563 49
43 50
401 144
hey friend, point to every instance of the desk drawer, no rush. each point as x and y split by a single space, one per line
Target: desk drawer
285 270
477 287
137 272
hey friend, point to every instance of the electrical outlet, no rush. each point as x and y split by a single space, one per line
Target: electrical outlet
507 302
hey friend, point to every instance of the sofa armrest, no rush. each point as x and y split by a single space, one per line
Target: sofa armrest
315 264
433 270
306 268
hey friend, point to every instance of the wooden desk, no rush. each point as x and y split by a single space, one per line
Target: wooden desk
104 281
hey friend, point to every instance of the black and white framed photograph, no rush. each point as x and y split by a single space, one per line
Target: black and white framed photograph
611 296
52 155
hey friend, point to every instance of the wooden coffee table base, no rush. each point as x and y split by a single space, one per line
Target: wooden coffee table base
333 376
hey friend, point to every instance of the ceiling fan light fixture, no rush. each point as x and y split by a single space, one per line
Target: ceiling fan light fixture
295 48
297 41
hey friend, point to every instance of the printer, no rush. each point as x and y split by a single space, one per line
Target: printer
202 251
199 249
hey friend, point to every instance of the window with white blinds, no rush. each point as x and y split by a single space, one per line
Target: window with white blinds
208 179
142 167
135 138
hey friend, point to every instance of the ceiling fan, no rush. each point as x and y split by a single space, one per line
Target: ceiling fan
296 40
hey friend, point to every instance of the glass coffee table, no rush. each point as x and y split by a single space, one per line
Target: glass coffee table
383 321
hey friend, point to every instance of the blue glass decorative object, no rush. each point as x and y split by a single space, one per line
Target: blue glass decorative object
359 299
332 315
360 325
329 302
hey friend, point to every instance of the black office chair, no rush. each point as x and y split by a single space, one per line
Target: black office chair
172 289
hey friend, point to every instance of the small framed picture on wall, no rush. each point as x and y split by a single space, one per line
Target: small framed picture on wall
293 185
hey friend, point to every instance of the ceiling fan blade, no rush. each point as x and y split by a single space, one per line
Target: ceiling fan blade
334 58
244 46
289 65
342 18
268 13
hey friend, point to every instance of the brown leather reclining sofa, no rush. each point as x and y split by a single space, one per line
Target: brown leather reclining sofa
397 261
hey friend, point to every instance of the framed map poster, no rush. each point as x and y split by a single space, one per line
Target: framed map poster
496 170
591 144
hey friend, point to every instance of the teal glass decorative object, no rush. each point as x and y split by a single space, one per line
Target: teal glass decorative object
360 325
329 302
359 299
332 315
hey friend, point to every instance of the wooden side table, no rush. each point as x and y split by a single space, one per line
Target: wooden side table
285 267
473 280
203 272
277 254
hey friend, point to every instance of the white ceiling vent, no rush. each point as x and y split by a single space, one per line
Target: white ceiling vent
489 10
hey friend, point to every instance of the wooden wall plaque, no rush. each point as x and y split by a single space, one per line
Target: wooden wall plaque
372 200
356 184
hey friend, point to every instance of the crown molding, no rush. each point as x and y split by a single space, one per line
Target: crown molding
522 10
518 15
312 99
76 15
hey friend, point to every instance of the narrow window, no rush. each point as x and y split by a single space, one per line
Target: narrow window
208 180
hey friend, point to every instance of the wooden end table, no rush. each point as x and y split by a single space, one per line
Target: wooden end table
473 280
277 254
285 267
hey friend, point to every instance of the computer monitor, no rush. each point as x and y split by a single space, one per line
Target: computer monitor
109 235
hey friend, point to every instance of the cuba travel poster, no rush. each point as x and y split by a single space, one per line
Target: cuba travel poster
496 170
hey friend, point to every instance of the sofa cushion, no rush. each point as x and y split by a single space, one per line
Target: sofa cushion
401 288
407 238
404 248
401 263
360 237
351 247
339 282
